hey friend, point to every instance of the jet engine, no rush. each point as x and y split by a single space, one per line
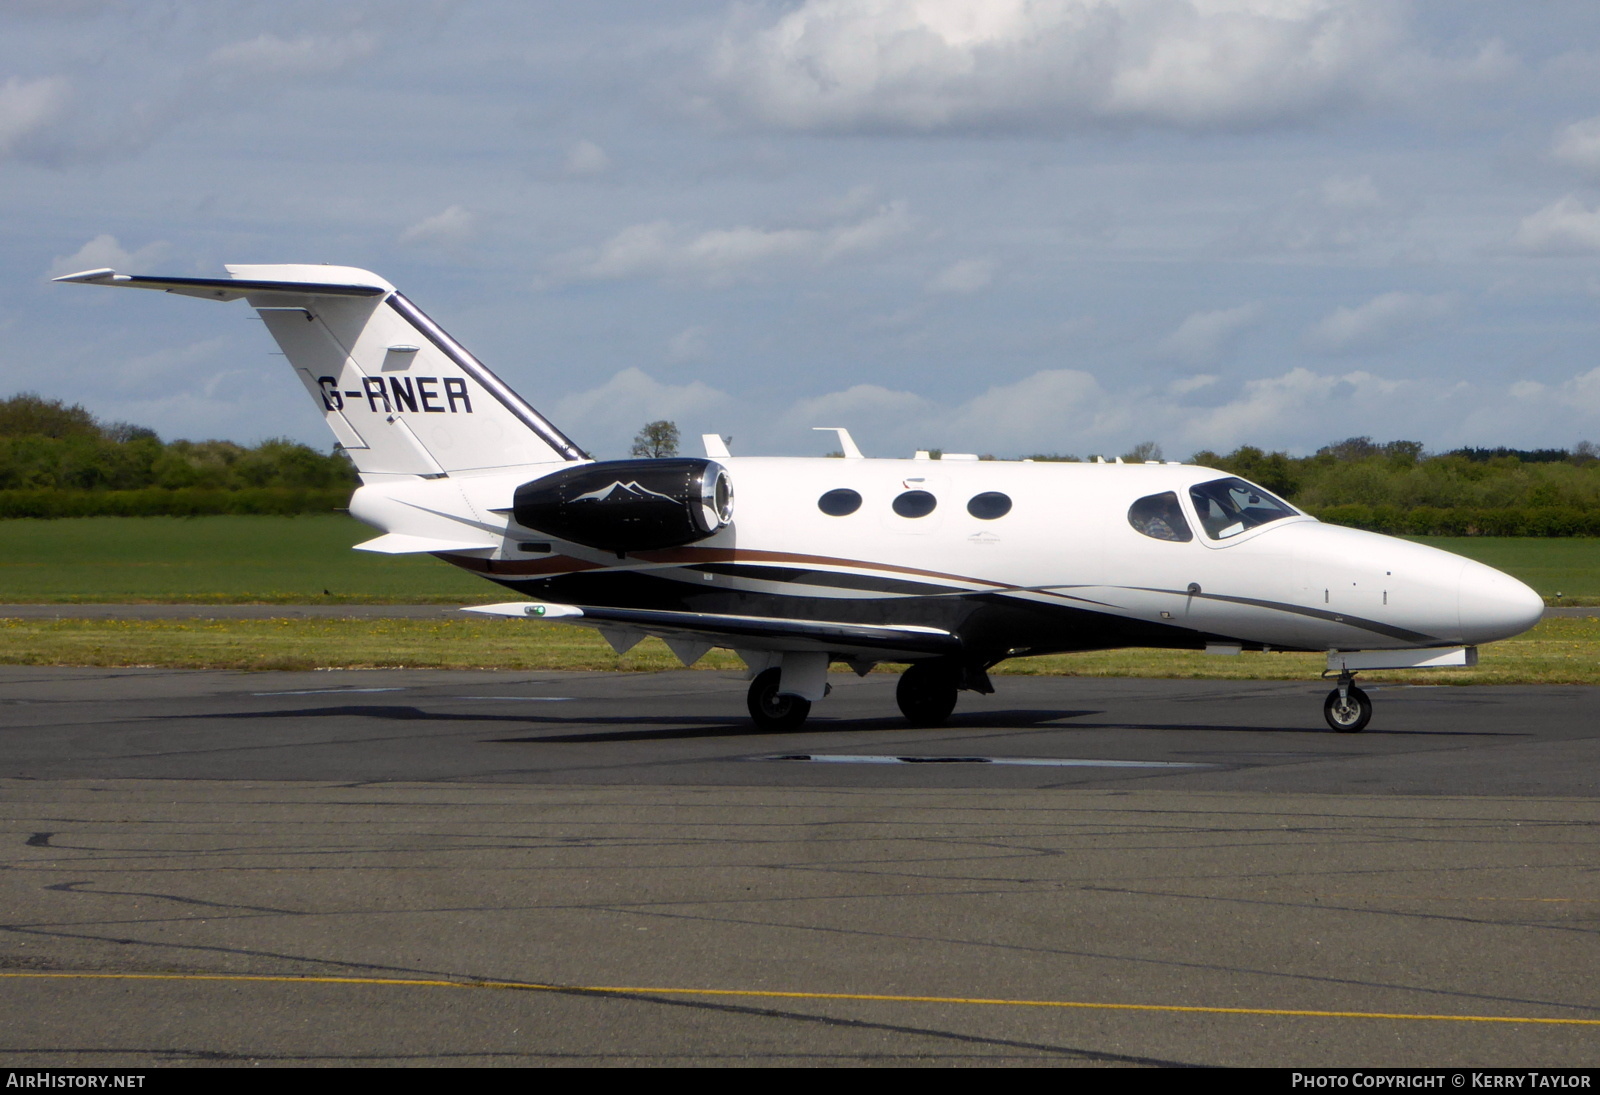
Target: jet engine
629 505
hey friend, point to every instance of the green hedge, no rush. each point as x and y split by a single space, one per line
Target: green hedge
1465 521
184 502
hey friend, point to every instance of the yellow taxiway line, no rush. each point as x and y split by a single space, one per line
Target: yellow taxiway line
769 994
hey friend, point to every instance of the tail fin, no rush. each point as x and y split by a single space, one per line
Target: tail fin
401 395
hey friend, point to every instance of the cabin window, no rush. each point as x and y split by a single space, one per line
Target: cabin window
1159 517
1227 507
915 503
989 505
839 503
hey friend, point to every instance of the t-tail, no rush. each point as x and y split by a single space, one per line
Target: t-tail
402 397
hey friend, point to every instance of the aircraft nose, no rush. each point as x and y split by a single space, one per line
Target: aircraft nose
1495 605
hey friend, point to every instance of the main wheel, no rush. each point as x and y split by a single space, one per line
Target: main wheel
771 711
926 693
1349 715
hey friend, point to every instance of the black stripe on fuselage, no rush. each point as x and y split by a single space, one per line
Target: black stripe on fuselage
831 579
1374 626
991 625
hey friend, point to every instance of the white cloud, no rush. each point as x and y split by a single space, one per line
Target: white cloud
104 251
1583 392
612 413
1565 227
270 55
936 64
1579 146
862 407
451 228
1195 383
29 108
1340 192
1340 214
154 373
587 158
966 276
688 344
1055 409
1297 398
662 249
1072 411
1379 321
1205 337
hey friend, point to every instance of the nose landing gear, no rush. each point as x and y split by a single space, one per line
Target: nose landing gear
1347 708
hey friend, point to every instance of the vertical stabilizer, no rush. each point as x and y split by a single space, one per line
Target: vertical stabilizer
400 395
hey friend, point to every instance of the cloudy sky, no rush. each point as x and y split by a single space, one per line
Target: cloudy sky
1010 226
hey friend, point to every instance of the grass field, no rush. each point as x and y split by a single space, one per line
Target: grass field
218 560
289 560
1558 651
1565 570
298 560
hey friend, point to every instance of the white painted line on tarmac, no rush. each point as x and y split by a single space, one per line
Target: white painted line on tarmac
1031 762
326 691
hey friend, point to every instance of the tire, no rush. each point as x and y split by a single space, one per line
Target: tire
1350 716
772 712
927 693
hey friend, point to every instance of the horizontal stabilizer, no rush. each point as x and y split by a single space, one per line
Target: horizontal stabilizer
398 543
746 632
234 288
533 609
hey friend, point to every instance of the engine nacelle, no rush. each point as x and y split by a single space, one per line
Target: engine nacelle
629 505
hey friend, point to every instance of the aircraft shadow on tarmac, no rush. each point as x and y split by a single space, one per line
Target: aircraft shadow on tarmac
702 727
1317 730
742 727
649 728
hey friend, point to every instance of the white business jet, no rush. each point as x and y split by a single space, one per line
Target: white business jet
951 565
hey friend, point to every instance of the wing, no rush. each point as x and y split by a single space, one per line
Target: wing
688 632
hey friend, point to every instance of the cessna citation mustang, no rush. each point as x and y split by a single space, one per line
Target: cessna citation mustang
951 565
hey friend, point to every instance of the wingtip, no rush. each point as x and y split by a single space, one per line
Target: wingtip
103 274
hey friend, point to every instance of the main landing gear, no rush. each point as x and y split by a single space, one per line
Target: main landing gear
770 711
1347 708
927 693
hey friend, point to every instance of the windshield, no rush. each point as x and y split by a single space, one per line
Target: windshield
1227 507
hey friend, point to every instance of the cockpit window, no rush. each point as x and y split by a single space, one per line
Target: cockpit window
1159 517
1227 507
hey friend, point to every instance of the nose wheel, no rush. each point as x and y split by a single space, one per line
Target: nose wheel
1347 708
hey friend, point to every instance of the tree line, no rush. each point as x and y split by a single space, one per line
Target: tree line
1400 488
58 460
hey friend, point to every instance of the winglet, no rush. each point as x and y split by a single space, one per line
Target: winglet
89 275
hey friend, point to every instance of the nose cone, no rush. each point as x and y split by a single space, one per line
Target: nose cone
1495 605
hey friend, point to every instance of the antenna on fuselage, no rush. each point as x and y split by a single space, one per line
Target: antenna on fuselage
847 444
